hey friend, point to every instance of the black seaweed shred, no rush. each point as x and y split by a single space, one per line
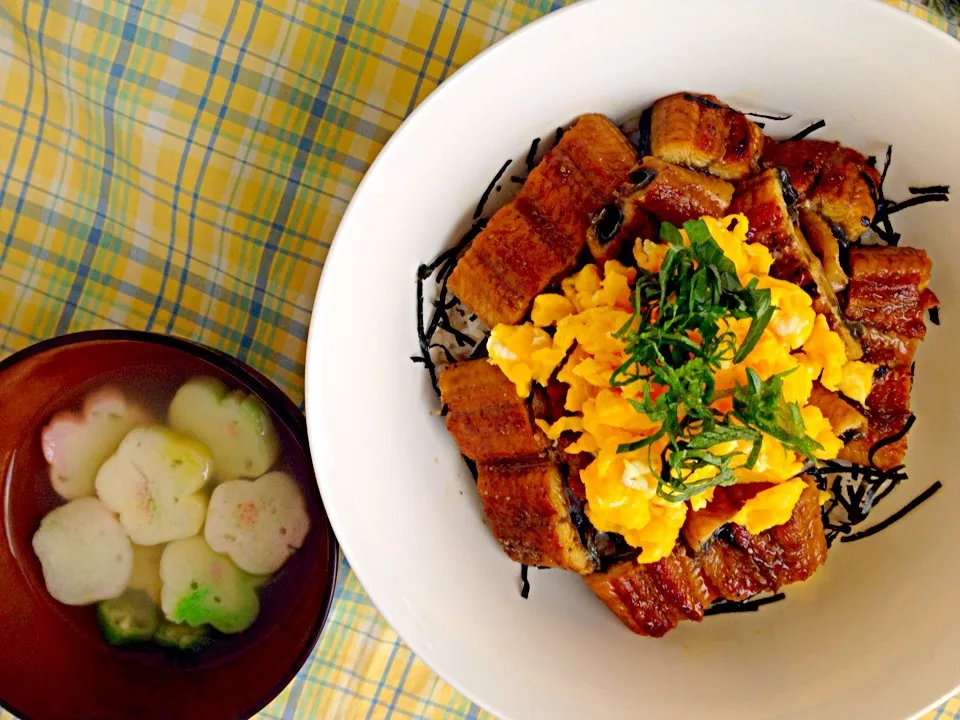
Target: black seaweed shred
935 315
930 190
480 351
578 517
809 130
723 607
704 101
440 308
486 193
559 136
881 224
902 512
637 130
530 161
524 582
532 154
855 491
767 117
896 437
893 208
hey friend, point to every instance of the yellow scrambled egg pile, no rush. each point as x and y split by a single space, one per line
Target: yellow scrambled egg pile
621 488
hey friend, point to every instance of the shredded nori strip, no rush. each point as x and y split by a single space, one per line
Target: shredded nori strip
906 509
856 490
881 220
578 516
935 315
767 117
486 193
532 154
637 131
810 129
930 190
524 582
480 351
892 208
440 319
471 465
559 136
703 101
724 607
896 437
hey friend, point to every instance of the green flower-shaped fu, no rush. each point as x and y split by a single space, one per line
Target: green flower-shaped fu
153 483
258 523
202 587
76 444
235 426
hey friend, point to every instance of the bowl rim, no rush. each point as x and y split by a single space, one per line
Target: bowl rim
279 403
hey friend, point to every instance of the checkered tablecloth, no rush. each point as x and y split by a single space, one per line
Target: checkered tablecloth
181 166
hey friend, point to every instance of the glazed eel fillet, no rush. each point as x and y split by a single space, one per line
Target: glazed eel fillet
519 479
538 238
887 298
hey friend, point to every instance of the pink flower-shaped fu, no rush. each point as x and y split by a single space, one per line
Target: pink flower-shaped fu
258 523
77 444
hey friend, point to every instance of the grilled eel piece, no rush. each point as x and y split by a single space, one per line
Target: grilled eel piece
676 194
615 227
888 297
486 418
525 496
703 133
538 237
655 190
530 515
767 200
836 181
652 599
837 194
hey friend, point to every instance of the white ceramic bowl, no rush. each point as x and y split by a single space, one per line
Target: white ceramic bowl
876 633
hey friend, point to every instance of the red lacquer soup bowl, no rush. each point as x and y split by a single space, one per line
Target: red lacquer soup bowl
53 661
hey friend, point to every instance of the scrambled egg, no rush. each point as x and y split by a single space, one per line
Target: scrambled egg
572 334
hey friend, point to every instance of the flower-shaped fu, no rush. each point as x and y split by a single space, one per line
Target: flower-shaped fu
235 426
84 553
201 587
76 444
153 482
258 523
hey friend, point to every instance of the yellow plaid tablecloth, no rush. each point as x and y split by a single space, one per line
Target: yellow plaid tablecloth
181 166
